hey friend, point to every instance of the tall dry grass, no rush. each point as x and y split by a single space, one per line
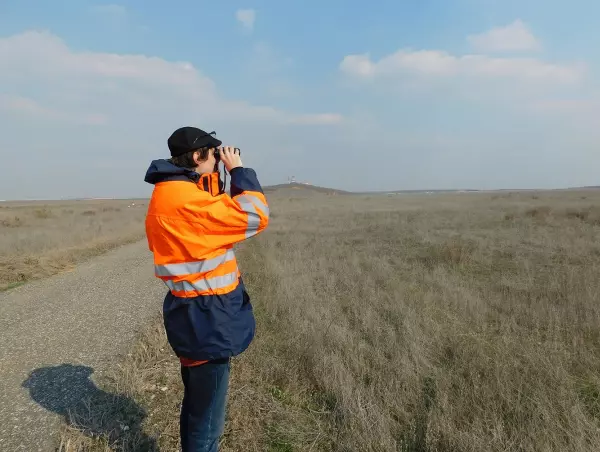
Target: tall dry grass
410 323
38 239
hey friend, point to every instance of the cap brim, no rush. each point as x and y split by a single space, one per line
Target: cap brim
208 142
213 142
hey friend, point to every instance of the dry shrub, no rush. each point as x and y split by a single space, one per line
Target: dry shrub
43 213
540 212
590 214
453 252
577 214
13 222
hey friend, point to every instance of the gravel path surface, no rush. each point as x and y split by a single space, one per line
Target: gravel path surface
58 333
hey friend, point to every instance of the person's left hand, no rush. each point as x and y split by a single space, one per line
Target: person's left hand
230 157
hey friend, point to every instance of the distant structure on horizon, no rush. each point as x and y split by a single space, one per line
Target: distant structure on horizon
292 180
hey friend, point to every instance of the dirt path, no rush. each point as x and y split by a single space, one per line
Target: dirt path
58 333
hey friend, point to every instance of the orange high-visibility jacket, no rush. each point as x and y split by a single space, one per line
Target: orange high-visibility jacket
191 227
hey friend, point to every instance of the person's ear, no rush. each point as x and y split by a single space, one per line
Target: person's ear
196 157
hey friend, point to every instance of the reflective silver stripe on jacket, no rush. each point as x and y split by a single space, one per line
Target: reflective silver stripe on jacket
202 285
261 205
248 203
188 268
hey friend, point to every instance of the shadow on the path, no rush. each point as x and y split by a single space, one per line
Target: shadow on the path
68 391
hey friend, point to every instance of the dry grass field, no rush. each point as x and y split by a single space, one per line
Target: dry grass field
454 322
39 239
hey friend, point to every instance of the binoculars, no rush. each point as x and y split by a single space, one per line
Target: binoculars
217 152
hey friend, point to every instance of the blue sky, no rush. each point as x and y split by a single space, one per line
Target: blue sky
376 95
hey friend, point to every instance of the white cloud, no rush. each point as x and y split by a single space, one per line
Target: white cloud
44 60
246 17
442 64
111 10
96 109
583 113
512 112
513 37
29 108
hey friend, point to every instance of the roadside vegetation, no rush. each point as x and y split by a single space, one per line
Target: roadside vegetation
39 239
453 322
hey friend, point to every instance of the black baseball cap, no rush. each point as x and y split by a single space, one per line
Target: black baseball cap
188 139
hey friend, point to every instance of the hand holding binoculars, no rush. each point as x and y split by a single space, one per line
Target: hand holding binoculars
229 155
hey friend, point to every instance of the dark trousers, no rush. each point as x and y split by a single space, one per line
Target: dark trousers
202 420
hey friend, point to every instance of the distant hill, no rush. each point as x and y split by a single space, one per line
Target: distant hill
302 189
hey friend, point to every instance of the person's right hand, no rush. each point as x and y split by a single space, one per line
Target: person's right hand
230 158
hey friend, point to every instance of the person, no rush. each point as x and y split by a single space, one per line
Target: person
192 225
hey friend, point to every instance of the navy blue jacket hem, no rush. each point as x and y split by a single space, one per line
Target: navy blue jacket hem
211 326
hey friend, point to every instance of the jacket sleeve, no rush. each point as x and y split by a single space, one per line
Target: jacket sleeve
235 218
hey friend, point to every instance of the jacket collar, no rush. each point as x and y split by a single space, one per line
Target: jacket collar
211 183
163 170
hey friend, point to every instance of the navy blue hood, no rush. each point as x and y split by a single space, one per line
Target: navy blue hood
163 170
